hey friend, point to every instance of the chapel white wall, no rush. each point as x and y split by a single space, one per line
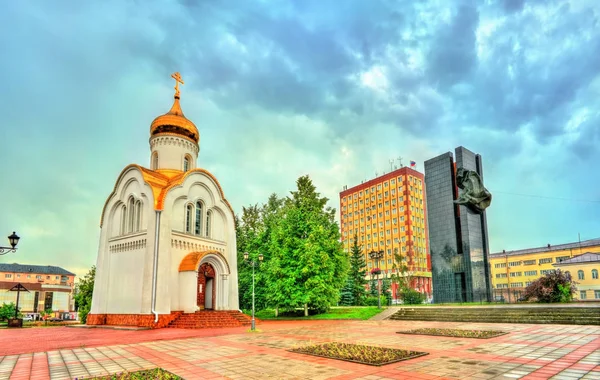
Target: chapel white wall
172 151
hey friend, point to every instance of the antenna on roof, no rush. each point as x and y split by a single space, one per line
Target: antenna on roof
391 165
400 161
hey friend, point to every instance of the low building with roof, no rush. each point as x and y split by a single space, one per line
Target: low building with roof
513 271
584 270
49 287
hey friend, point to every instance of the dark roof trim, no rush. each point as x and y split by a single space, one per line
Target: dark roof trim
34 269
550 248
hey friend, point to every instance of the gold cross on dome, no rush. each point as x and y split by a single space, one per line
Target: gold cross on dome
178 80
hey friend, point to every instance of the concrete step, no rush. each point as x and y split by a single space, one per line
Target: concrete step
558 315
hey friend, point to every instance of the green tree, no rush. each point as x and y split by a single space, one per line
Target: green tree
357 273
253 232
555 286
373 288
386 290
346 294
7 310
404 277
308 266
83 294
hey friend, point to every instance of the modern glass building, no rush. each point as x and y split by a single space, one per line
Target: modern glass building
458 239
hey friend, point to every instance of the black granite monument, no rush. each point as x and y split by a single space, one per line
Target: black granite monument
458 238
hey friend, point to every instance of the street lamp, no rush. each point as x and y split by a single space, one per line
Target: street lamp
377 255
253 264
13 240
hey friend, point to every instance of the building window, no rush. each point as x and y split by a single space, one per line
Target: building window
529 262
516 285
545 261
155 160
186 163
130 209
8 275
123 220
531 273
198 225
562 258
595 274
597 294
501 286
208 217
515 274
583 295
188 218
514 263
138 215
580 275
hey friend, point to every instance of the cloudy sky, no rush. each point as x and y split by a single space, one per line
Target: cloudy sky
279 89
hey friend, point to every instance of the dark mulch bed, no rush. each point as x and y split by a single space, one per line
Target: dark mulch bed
371 355
149 374
456 333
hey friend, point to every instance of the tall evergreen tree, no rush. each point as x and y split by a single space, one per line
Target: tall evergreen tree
248 229
346 294
253 231
357 273
307 267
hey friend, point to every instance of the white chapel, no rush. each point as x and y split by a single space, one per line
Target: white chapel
167 241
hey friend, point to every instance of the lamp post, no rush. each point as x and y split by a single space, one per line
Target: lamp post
377 255
253 264
13 240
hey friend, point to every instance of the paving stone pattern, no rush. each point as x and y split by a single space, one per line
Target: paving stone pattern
528 352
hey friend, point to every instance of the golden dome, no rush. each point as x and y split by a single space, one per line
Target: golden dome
174 122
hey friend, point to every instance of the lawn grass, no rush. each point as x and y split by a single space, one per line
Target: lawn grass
360 313
357 353
156 373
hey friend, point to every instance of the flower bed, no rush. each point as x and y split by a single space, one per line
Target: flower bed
155 374
371 355
456 333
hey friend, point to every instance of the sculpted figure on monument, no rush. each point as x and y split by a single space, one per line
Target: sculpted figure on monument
473 194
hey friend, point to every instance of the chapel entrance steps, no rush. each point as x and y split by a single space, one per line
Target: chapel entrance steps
537 315
207 319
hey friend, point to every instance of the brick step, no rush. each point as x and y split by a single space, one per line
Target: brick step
210 319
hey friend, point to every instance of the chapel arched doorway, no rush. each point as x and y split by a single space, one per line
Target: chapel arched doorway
206 287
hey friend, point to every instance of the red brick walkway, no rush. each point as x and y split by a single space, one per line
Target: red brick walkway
528 351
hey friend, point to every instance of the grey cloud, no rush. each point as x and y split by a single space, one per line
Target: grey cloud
452 55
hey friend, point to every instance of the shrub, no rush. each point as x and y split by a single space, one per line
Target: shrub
412 297
555 286
372 301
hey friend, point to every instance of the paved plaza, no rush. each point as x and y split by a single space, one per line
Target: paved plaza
528 352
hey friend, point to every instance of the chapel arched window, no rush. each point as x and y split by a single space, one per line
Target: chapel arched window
208 226
155 160
138 215
131 214
189 214
186 163
123 220
198 226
